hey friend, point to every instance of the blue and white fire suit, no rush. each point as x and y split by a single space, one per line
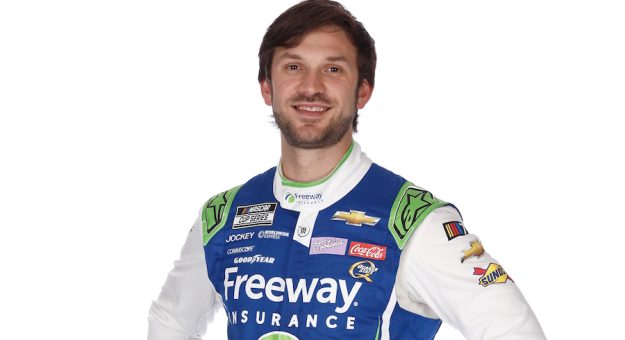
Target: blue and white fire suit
362 253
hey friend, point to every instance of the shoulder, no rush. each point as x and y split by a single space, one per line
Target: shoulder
411 205
215 211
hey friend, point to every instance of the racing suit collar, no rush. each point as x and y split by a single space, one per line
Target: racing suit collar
317 195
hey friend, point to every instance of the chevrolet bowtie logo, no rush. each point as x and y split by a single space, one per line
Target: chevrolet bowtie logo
356 218
475 249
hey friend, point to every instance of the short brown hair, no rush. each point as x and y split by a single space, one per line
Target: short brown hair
289 28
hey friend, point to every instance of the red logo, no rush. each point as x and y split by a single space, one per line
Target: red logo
368 251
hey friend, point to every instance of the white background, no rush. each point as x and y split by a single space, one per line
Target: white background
120 118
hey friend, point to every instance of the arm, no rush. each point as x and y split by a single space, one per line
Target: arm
188 299
445 273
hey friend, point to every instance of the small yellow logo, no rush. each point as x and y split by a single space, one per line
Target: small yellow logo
491 275
362 270
475 249
356 218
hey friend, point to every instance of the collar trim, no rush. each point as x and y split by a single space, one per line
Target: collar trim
289 183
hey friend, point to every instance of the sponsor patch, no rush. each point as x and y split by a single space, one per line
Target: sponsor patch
368 251
254 215
494 273
410 207
315 290
363 270
356 218
295 198
454 229
278 335
239 237
255 259
303 230
239 250
328 245
273 234
475 249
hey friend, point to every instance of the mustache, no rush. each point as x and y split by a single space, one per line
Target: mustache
315 98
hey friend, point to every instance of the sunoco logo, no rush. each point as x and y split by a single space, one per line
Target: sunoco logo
294 198
491 275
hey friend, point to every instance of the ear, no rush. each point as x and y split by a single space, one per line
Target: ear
265 91
364 94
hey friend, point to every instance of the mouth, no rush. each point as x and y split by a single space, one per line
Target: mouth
311 109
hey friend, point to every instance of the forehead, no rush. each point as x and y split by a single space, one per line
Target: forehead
324 42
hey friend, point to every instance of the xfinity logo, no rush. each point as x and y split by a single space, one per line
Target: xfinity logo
278 289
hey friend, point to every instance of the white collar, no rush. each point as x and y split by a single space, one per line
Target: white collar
318 195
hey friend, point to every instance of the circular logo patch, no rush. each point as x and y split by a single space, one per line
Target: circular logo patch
278 336
303 230
289 197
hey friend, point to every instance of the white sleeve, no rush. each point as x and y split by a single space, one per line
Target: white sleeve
188 299
444 273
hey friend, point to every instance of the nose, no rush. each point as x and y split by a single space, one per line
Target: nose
311 84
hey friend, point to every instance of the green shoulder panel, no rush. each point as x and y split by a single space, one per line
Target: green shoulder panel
410 208
215 213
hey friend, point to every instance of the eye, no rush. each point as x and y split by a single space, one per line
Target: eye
292 67
333 69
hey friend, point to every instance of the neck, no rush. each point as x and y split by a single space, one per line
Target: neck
307 165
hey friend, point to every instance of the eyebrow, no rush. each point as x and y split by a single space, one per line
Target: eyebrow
288 55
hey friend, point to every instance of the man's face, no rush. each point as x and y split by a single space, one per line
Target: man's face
314 89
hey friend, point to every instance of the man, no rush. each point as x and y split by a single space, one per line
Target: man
329 244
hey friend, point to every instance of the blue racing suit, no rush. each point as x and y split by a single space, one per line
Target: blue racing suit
361 253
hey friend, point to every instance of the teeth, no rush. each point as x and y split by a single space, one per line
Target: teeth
312 108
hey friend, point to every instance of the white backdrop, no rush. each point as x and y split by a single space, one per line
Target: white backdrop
120 118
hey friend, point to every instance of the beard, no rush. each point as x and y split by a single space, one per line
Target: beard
312 137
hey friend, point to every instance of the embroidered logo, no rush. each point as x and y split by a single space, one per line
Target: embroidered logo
363 270
454 229
368 251
328 245
475 249
356 218
303 230
491 275
254 215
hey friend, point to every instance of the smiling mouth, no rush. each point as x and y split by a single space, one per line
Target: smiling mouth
311 108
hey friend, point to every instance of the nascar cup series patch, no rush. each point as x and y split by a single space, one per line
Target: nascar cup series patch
254 215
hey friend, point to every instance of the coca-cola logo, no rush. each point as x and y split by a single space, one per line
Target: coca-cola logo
367 251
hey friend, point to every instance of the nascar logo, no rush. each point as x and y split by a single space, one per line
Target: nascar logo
254 215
